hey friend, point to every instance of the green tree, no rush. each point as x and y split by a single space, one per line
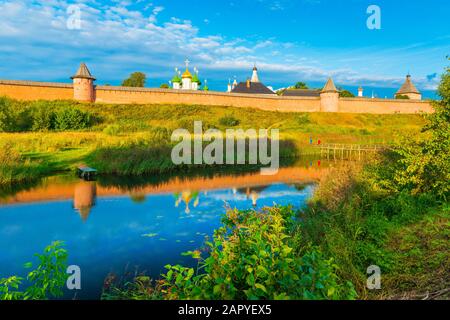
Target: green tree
136 79
301 85
402 97
14 116
43 117
424 166
346 94
164 86
6 114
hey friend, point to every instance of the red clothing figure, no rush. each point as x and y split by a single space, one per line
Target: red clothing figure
318 142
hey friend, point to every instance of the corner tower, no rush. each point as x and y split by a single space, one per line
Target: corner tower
329 97
83 85
409 89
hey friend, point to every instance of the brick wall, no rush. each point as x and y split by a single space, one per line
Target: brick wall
106 94
383 106
29 90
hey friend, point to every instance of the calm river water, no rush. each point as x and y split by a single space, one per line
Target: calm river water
122 225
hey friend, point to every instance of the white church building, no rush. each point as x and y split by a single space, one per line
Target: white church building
186 81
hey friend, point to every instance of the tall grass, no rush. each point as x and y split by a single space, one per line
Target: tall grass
14 168
115 137
352 219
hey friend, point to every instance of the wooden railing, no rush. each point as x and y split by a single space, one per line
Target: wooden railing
341 150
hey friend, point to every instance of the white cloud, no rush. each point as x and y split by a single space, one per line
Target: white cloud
116 40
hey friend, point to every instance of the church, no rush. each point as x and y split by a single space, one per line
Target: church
186 81
251 86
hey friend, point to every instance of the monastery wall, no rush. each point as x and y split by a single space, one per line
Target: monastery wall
107 94
383 106
29 90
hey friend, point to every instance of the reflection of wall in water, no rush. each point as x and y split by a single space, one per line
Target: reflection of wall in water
84 198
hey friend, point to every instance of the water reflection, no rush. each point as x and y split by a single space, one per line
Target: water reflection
186 189
84 198
111 223
186 196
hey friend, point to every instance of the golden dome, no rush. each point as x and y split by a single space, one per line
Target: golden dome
186 74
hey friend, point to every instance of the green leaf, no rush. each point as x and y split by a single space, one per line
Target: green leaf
260 286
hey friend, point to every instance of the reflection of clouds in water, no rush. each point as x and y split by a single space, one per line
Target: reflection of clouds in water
228 196
113 234
139 227
182 234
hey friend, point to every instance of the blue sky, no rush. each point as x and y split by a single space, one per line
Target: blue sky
304 40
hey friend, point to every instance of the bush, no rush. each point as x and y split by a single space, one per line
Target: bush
72 119
14 117
43 117
303 119
160 135
424 166
46 281
6 116
253 257
229 121
112 130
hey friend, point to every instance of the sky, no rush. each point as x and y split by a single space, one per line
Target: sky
289 41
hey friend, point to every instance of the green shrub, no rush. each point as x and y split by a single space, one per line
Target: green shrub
229 121
160 135
72 119
43 117
46 281
253 257
14 117
423 165
303 119
5 114
112 130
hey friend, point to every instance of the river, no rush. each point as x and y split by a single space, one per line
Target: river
121 225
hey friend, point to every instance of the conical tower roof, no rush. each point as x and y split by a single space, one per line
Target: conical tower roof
408 87
83 72
329 86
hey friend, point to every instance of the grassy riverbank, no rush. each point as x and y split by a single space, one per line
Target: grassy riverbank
135 139
392 212
359 224
320 252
